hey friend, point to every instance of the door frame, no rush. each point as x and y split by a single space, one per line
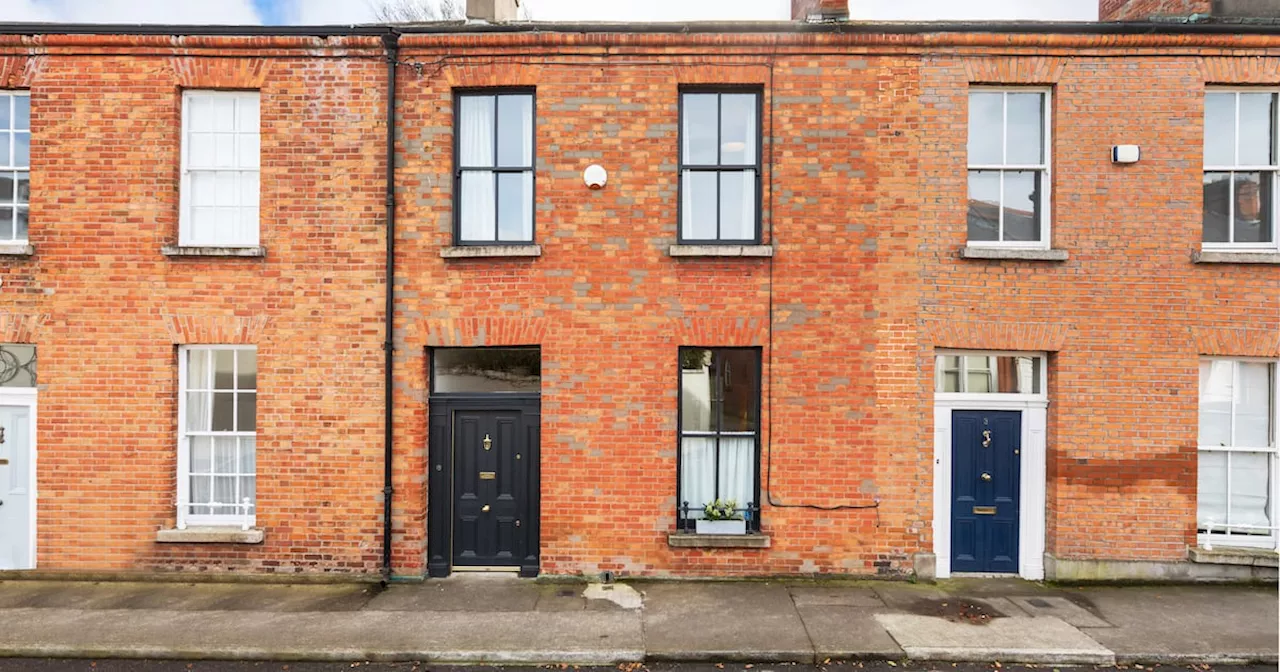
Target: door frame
1031 499
27 397
440 476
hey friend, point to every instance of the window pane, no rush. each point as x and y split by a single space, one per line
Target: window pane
1021 205
515 206
6 119
737 469
978 381
224 369
1215 403
738 205
1253 208
17 365
224 455
21 150
249 151
475 131
200 151
200 113
247 108
197 369
984 205
248 455
1025 131
487 370
246 369
1256 112
739 370
248 490
515 131
224 492
476 206
699 128
223 412
950 381
201 454
5 144
6 223
20 227
1217 204
697 391
737 128
246 412
24 187
22 112
224 113
697 473
1219 129
8 184
1250 485
1253 406
197 411
201 491
698 209
1013 374
986 114
1211 488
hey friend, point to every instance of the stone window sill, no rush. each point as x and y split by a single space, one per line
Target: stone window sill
690 540
17 250
191 251
1012 253
1211 257
756 251
1253 557
211 534
482 251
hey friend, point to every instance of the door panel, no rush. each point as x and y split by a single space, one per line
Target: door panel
490 488
15 488
985 482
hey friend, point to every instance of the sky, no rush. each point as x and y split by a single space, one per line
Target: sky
317 12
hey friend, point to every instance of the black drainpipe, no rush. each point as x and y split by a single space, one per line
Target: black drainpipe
390 43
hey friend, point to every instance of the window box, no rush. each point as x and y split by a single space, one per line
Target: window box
720 526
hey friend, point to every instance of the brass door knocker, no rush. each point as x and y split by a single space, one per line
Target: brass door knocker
986 438
488 442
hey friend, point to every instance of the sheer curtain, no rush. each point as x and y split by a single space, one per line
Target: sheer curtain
475 150
698 471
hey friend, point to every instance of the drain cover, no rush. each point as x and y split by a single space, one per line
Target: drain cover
1037 602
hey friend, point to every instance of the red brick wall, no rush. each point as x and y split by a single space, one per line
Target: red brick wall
112 310
1138 10
865 212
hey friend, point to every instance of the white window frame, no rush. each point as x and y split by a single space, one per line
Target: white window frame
1274 169
185 234
1046 180
249 517
7 165
1271 540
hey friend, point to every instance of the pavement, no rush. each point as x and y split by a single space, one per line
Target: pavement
500 619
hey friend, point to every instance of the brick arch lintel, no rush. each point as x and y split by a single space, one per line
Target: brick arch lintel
188 329
1236 342
18 72
1015 69
200 72
1240 69
21 327
719 331
470 332
1011 336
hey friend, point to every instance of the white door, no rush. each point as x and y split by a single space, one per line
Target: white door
17 500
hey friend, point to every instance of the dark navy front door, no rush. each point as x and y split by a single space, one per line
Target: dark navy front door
985 451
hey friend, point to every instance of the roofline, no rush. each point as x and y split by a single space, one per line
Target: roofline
737 27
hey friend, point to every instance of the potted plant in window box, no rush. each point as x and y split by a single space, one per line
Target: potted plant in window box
721 517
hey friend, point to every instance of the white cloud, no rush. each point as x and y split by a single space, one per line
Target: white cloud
230 12
660 10
974 10
326 12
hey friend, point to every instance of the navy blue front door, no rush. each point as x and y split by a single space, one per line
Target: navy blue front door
985 451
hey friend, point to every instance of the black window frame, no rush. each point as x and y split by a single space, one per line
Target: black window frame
717 168
458 169
751 509
431 373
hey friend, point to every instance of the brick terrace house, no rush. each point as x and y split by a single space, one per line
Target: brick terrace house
931 298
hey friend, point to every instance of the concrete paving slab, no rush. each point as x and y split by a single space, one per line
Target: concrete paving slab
905 595
1016 640
1177 624
597 638
184 596
728 622
834 596
1059 607
847 633
462 592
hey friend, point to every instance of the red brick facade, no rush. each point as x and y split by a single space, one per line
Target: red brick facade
864 204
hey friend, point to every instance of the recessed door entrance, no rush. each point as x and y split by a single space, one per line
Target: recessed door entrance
985 481
483 469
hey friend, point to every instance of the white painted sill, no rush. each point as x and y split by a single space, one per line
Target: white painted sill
17 250
1013 253
753 251
211 534
209 251
1234 257
692 540
485 251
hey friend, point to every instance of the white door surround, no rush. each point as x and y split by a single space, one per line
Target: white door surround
18 479
1031 504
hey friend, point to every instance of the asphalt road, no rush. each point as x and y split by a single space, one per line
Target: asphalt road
55 665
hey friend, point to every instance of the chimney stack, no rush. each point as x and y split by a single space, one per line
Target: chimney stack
493 11
1144 10
819 10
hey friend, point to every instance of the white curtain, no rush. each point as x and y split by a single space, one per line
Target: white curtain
698 469
1250 483
475 149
